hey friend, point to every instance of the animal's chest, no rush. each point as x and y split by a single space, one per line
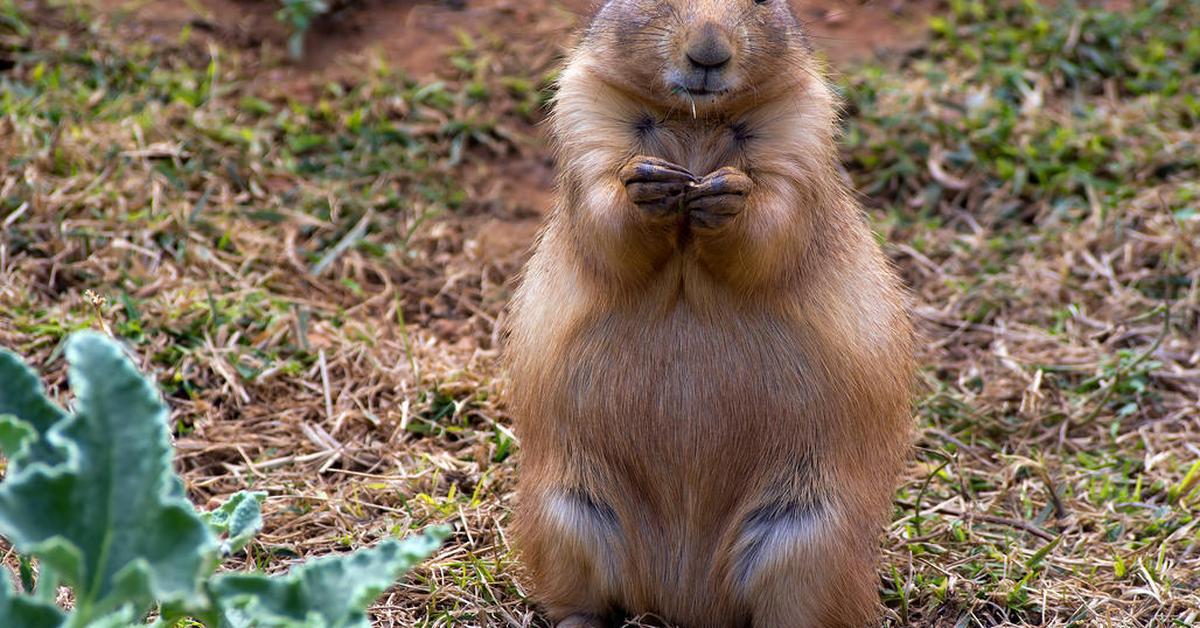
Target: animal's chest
701 146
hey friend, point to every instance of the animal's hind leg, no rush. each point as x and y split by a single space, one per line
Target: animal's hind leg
798 568
842 594
568 542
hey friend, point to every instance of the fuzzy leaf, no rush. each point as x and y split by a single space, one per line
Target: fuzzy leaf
22 396
15 437
331 592
123 618
240 518
109 518
23 611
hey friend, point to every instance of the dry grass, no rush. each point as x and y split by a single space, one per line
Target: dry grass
317 280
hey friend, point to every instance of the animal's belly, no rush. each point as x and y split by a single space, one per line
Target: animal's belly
693 399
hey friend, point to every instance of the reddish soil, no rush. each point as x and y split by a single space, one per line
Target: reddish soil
413 35
849 30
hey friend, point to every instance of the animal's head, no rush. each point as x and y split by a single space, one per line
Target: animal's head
697 53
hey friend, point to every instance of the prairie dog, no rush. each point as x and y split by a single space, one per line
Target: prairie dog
709 355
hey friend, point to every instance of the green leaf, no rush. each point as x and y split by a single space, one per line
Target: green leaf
15 437
25 573
26 612
331 592
22 396
110 518
1036 559
1190 480
124 618
240 518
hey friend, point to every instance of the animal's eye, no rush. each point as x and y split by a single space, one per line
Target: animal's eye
762 1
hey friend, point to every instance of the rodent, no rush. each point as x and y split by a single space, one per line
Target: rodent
710 357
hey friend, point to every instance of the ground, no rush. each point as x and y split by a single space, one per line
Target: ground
313 259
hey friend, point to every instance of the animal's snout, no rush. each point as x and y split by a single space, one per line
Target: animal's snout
709 48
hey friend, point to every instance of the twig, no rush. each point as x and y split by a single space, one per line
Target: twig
1060 511
1005 521
325 385
349 240
921 493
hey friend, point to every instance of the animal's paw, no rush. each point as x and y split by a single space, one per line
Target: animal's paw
657 186
718 197
580 621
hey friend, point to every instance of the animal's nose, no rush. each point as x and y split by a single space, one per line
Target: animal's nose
709 49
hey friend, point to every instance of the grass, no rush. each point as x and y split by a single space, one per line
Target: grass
309 275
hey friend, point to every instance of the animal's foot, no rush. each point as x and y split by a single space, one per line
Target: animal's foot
718 197
657 186
580 621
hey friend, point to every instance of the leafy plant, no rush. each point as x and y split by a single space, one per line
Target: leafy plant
92 496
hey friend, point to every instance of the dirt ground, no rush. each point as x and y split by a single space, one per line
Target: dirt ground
415 36
1032 312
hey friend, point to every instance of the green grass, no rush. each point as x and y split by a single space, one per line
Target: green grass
1036 173
306 273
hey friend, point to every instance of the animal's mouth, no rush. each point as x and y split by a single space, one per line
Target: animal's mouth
703 91
699 91
700 99
700 88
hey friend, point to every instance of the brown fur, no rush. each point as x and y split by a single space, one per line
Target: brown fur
712 418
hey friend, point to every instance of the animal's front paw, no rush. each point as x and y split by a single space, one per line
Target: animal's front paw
657 186
718 197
